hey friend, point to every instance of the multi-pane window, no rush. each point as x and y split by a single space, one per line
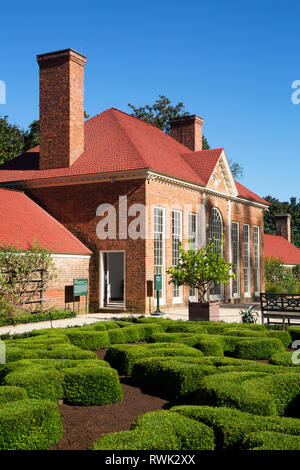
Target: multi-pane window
216 232
176 239
159 255
256 260
235 259
192 221
246 259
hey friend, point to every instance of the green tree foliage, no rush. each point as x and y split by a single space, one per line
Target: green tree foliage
279 278
160 114
288 207
198 269
32 136
11 140
14 140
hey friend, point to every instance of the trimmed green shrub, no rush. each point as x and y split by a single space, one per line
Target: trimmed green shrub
294 331
15 354
258 348
39 317
116 336
11 393
29 425
38 382
265 440
89 340
184 338
283 336
132 333
92 386
284 359
231 426
160 430
244 332
255 392
105 325
210 346
168 377
123 357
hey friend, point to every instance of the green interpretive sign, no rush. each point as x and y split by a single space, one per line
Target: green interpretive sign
81 287
158 281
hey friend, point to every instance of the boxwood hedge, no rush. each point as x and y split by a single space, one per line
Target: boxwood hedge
29 425
92 386
256 392
122 357
89 339
160 430
267 440
12 393
168 377
231 426
258 348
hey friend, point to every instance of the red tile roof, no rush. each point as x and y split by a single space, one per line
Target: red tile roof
115 141
23 222
278 247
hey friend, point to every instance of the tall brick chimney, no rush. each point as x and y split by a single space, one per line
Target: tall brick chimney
188 131
61 108
283 225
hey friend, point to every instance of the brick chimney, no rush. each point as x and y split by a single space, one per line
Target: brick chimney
283 225
61 108
188 131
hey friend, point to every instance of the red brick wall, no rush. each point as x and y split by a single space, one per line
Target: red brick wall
67 269
75 207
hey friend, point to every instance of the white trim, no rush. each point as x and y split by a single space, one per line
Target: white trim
54 255
162 300
230 287
132 174
178 299
256 293
248 292
237 295
101 277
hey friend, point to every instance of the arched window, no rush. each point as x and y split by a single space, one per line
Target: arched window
215 225
216 232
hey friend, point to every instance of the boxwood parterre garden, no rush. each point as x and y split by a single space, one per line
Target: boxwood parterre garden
229 386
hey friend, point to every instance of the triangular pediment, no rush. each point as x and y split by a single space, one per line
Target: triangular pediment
221 178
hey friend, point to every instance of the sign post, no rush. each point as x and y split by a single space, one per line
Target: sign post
158 288
80 287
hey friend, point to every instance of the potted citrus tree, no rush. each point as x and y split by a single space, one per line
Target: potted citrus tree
199 269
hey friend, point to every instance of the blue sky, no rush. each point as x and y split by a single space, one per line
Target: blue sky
233 63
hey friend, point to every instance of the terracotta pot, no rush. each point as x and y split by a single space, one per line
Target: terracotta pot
206 311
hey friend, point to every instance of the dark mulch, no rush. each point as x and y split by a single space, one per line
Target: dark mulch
83 425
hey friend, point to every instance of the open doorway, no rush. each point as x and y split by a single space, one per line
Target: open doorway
113 278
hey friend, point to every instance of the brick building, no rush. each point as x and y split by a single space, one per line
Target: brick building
162 189
23 223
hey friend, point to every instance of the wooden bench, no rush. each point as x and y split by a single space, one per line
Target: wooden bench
280 306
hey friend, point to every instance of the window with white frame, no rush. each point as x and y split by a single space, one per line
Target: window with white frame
192 221
176 239
216 232
235 240
159 245
256 260
246 260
